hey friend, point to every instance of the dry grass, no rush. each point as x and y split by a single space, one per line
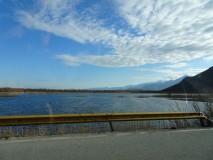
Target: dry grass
76 128
10 94
207 100
61 129
206 108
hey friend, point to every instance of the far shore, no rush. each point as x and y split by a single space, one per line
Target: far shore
172 96
18 91
12 93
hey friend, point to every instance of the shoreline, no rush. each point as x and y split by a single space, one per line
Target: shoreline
171 96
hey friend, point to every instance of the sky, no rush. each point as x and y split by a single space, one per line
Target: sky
79 44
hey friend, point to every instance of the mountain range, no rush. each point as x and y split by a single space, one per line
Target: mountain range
201 83
151 86
156 86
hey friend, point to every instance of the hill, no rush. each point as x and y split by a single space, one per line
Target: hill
200 83
156 86
151 86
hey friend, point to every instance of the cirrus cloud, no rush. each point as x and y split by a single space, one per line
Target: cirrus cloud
155 31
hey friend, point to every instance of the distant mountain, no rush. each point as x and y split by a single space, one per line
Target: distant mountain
200 83
111 88
152 86
156 86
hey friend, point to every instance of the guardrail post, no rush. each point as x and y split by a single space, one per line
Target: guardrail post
210 122
202 122
110 123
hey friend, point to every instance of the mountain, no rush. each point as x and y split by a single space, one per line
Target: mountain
111 88
152 86
156 86
200 83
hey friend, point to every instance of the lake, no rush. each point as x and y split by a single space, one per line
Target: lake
35 104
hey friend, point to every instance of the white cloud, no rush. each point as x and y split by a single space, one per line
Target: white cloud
209 58
175 65
159 31
174 74
171 74
60 18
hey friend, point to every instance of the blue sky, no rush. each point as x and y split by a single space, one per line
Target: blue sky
80 44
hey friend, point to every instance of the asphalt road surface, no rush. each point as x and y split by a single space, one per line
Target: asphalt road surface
194 144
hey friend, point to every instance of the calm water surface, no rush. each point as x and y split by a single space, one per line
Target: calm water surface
33 104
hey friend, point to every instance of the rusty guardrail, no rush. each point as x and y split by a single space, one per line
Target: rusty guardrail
100 117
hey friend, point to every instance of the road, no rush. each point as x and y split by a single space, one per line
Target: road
194 144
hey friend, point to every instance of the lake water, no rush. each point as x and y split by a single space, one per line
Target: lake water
34 104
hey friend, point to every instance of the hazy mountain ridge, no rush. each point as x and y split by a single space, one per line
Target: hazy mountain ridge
157 86
151 86
200 83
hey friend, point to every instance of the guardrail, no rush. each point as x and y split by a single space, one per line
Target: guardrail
100 117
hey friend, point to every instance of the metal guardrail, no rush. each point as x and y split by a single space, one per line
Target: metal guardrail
100 117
